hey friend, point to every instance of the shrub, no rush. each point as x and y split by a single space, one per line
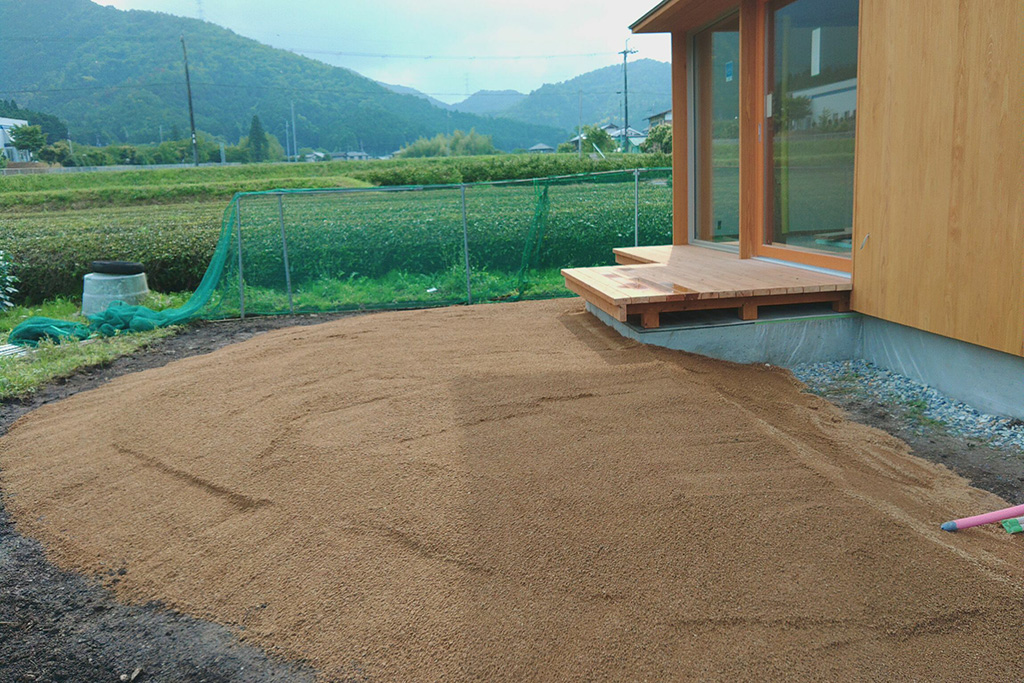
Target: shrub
7 282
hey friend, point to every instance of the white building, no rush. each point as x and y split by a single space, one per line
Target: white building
839 99
7 144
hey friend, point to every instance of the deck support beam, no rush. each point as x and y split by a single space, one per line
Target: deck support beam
650 319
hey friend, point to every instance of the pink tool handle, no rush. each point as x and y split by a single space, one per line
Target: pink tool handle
987 518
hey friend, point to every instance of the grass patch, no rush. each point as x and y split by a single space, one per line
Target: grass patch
23 375
914 409
61 308
399 289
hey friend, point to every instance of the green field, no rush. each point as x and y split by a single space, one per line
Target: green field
352 238
52 250
153 185
378 248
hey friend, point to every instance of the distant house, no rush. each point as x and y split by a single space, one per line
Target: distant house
349 156
617 133
629 139
541 148
315 156
659 119
9 150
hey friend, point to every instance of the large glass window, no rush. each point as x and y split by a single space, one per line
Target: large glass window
717 131
811 110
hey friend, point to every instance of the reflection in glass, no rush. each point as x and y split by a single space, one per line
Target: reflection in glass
717 110
812 110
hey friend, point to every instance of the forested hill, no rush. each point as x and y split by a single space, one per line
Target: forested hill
117 76
558 104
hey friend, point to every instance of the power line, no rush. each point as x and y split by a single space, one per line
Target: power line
143 86
377 55
373 55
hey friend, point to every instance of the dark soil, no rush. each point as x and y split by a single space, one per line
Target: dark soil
60 626
1000 471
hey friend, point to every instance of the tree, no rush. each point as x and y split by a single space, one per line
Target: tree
797 108
458 144
28 137
57 153
257 140
659 140
597 138
125 155
470 144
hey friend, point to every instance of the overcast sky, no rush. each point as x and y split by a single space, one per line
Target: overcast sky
470 44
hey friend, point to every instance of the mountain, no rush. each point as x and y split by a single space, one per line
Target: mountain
558 104
117 76
488 101
406 90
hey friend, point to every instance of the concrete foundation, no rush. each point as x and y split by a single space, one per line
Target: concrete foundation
988 380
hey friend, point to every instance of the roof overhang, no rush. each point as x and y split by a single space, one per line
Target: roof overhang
682 16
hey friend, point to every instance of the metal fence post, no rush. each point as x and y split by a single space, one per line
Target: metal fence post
636 207
465 247
284 249
241 277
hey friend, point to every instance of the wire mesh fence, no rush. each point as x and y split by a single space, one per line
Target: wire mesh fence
303 251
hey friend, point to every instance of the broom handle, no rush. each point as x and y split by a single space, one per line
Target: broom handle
987 518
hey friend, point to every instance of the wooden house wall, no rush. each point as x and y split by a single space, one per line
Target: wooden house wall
939 192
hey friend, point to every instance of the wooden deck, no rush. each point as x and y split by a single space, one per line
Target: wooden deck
655 280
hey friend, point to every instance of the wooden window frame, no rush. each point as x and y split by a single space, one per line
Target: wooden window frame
753 190
699 154
753 153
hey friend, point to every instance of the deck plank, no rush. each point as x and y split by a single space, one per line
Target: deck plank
680 277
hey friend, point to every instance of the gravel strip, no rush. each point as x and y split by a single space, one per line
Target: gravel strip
923 401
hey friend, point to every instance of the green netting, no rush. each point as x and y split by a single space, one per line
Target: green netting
119 318
307 251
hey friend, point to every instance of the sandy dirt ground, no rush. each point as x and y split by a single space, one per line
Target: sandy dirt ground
515 492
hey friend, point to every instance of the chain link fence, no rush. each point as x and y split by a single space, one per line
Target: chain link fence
305 251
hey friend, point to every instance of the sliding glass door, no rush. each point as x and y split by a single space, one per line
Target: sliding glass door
810 115
716 132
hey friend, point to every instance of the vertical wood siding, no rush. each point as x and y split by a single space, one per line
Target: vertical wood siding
939 191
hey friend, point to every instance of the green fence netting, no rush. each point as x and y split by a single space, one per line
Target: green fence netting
311 251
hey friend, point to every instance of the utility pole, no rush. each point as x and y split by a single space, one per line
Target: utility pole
287 142
191 112
579 128
295 139
625 94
